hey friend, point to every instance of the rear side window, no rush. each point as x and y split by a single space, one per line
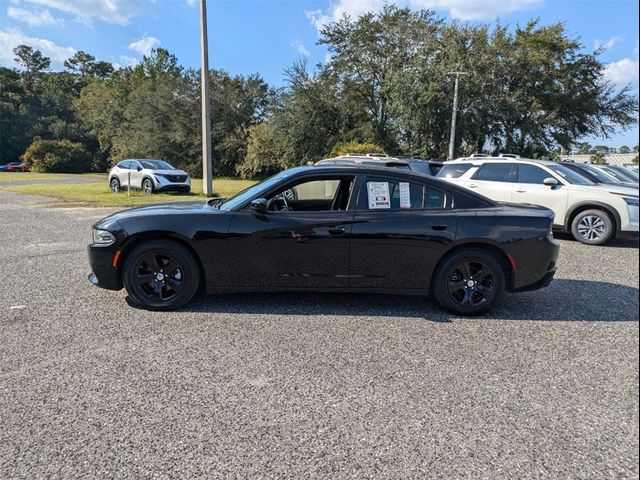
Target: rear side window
531 174
454 170
381 194
495 172
125 165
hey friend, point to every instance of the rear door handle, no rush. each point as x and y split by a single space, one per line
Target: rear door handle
337 230
473 185
438 227
521 191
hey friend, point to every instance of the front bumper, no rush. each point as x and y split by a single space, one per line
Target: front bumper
103 272
174 187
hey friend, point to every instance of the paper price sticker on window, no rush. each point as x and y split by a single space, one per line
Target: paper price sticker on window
405 195
378 195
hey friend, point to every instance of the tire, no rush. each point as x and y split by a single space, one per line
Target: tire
593 227
147 186
114 184
161 275
451 285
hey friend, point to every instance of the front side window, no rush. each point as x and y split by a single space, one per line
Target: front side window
388 194
531 174
569 175
156 165
313 196
495 172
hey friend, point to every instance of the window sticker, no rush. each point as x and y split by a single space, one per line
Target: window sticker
378 195
405 195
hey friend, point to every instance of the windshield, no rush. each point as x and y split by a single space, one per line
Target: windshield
601 175
156 165
569 175
253 191
622 176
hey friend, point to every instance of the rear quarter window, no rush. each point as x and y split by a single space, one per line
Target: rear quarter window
454 171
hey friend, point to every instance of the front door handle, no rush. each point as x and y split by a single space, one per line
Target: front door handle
473 185
337 231
521 191
438 227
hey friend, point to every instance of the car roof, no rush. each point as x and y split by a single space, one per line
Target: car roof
358 159
482 160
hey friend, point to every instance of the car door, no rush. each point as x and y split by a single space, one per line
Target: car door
493 180
401 228
305 247
136 173
123 172
530 188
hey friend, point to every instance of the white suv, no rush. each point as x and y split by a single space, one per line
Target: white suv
593 213
149 175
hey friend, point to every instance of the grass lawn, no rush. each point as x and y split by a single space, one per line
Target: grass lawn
26 176
98 194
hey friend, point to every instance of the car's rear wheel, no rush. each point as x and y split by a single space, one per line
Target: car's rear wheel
161 275
147 185
468 282
114 184
592 227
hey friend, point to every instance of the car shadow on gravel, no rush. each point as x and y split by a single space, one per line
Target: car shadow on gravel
615 243
563 300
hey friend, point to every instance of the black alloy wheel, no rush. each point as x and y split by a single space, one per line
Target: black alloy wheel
147 185
161 275
114 184
468 282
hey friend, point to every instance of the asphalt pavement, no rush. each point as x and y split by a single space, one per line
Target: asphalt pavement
309 385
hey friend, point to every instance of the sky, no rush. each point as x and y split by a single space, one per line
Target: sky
266 36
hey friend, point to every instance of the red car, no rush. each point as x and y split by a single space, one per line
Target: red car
17 167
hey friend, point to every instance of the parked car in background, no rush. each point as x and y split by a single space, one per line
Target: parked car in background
597 175
420 165
346 228
368 160
621 173
3 168
593 213
632 166
149 175
17 167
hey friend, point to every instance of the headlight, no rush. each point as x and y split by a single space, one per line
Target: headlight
103 237
631 201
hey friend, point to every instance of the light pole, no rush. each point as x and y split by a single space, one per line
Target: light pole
207 180
454 114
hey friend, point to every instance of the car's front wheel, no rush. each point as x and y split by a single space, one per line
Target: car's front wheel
592 227
147 185
161 275
468 282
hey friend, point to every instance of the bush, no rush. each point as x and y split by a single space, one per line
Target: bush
342 148
57 156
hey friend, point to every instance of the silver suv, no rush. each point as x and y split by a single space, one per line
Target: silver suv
148 175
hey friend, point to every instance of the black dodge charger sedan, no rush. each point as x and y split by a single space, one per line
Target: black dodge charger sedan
332 229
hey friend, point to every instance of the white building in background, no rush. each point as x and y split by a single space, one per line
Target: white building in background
611 158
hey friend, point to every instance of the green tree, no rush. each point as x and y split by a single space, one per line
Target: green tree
57 156
624 149
33 62
598 159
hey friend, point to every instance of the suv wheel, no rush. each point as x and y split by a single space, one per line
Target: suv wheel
592 227
468 282
147 185
114 184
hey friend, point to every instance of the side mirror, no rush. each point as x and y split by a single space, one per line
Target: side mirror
259 205
139 168
550 182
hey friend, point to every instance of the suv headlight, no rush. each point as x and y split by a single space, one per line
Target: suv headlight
631 201
103 237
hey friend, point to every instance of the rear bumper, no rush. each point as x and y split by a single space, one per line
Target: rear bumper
103 273
535 264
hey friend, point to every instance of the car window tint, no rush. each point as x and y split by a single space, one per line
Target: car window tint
531 174
126 164
454 170
495 172
384 193
316 190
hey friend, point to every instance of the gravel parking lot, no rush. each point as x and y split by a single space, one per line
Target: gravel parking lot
309 386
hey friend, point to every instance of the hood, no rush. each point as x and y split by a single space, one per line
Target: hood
617 189
157 210
168 172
